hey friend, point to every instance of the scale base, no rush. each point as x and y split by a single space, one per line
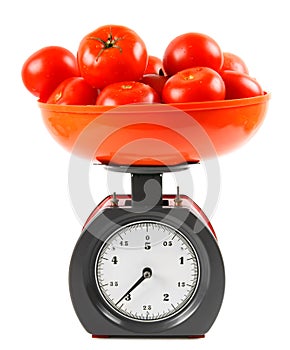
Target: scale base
94 336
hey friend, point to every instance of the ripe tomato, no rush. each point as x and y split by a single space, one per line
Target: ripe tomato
240 85
192 50
156 81
234 62
110 54
127 92
154 66
74 91
193 85
46 68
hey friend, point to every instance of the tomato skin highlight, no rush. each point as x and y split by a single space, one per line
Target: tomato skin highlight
192 50
111 53
234 62
127 92
194 85
240 85
46 68
74 91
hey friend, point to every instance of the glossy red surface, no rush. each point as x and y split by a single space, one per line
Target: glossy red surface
186 202
155 134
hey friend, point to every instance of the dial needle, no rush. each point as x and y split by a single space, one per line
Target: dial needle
146 273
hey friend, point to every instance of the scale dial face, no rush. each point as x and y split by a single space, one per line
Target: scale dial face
147 271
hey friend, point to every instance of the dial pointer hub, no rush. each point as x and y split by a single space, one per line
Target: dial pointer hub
146 273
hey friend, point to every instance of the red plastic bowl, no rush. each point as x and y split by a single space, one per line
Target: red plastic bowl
155 134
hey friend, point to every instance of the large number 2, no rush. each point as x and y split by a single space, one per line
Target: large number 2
165 297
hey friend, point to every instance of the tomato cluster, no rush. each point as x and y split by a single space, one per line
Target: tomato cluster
112 67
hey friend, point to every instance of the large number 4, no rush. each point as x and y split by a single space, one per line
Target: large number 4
114 260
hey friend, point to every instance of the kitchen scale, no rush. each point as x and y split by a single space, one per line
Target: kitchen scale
148 264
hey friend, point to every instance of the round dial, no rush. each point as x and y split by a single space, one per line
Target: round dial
147 271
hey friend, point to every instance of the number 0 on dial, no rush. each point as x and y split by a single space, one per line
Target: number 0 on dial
147 271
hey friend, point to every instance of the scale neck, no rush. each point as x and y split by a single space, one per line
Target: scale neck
146 190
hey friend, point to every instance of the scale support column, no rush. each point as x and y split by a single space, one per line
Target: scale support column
146 190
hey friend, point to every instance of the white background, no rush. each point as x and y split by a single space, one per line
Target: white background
39 228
